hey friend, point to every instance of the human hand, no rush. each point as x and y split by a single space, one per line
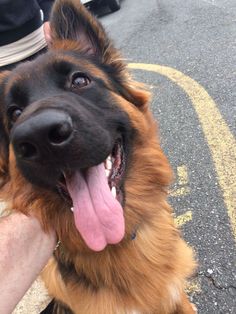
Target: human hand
47 32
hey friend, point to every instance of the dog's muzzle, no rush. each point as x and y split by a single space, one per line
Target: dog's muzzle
46 131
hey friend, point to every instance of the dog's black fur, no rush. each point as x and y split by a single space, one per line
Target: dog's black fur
56 89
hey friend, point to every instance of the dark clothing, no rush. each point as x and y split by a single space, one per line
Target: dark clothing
18 18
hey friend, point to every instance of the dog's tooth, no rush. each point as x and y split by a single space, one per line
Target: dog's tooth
72 209
109 164
107 172
113 191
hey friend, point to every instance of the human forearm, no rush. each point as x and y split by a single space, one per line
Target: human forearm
24 250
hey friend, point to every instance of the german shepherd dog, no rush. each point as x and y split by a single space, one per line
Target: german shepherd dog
79 151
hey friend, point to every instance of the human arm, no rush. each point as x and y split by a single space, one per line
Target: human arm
24 250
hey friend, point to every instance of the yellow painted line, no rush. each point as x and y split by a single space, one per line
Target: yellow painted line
182 179
182 175
193 287
220 140
182 219
180 192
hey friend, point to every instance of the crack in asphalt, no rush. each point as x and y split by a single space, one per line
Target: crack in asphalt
216 285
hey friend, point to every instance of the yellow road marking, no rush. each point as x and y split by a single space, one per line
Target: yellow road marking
182 179
220 140
182 175
182 219
193 286
180 192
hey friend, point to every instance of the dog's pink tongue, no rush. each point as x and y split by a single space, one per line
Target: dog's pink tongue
98 215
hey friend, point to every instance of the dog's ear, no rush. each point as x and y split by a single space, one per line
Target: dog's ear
4 141
74 27
70 20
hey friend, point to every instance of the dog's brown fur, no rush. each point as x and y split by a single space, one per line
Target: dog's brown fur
145 275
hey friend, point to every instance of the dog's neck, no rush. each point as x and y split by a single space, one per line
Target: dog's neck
68 270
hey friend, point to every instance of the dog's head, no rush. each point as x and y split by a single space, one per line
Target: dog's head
71 122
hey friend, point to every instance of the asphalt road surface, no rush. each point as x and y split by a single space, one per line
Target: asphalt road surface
186 52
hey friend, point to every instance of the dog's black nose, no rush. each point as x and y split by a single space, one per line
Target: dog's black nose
49 131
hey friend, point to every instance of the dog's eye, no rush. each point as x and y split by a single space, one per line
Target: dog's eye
14 113
80 80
